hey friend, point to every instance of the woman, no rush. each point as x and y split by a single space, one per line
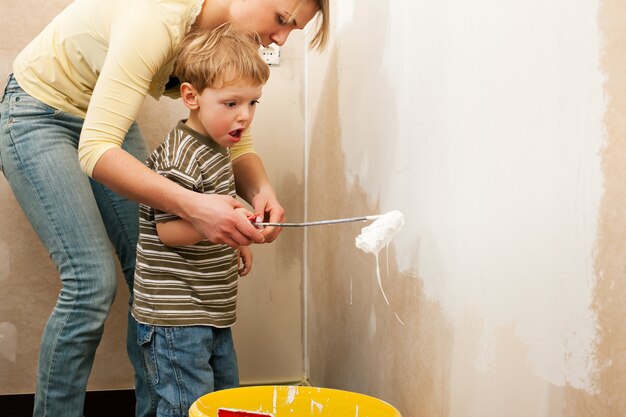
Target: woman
69 110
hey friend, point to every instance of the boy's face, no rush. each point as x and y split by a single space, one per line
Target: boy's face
269 18
223 114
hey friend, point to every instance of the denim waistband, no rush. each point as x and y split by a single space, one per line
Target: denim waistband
10 87
11 84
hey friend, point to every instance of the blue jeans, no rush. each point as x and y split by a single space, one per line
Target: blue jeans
77 219
187 362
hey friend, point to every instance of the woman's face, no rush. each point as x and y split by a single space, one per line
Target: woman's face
269 18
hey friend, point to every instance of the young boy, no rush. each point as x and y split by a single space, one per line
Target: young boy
185 288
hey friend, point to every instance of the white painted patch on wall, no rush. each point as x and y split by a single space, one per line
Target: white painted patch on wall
489 135
8 341
344 12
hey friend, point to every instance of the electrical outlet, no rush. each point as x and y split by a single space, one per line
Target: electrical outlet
271 54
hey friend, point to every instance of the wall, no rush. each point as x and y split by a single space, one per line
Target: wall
495 127
268 334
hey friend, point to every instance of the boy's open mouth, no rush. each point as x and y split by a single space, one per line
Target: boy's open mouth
236 133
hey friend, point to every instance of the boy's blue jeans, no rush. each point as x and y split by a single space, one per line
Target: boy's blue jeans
77 219
187 362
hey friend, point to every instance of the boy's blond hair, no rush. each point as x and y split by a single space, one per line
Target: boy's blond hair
220 58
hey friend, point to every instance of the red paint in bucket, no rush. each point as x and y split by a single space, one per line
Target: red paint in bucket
228 412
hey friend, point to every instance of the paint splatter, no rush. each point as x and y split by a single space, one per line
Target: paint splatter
274 400
314 405
291 395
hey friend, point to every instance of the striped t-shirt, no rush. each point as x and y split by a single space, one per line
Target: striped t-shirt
186 285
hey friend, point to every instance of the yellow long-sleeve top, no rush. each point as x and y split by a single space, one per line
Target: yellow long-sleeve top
98 59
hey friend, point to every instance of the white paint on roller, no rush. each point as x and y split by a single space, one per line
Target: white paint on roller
377 236
490 136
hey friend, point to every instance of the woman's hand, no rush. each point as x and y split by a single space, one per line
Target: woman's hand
245 261
221 219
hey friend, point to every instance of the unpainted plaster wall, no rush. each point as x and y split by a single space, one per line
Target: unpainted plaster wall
497 128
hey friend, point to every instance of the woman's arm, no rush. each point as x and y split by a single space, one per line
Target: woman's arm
254 187
213 215
139 45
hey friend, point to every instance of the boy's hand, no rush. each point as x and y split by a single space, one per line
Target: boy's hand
245 260
267 208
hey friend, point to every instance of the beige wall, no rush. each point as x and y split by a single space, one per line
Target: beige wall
268 334
497 128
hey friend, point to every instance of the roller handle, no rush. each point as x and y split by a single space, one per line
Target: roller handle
315 223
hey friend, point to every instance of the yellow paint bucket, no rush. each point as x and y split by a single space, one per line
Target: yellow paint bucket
289 401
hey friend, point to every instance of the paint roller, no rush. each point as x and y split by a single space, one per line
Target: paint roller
372 238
